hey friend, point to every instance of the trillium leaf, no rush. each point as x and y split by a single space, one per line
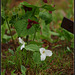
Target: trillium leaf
48 7
46 16
32 47
35 9
36 58
27 4
37 43
21 28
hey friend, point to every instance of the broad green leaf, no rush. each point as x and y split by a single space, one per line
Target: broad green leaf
32 47
37 43
27 15
46 33
21 28
48 7
23 70
6 37
67 35
13 19
36 57
11 51
46 16
27 4
35 9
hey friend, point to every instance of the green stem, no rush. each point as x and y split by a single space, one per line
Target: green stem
33 12
34 36
27 38
11 35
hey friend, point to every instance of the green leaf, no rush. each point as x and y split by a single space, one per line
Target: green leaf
21 28
46 33
72 45
27 15
6 37
37 43
56 46
23 70
15 36
11 51
36 11
54 33
68 50
48 7
34 8
2 13
32 47
27 4
11 62
3 73
2 31
12 72
46 16
36 58
18 48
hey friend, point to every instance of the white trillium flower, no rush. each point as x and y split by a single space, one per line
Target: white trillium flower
22 42
45 53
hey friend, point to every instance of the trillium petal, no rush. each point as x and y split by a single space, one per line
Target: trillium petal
34 22
23 46
29 20
48 53
42 50
29 26
21 41
27 8
45 1
43 57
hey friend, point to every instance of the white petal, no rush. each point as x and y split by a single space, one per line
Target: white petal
21 41
43 57
23 46
42 50
48 53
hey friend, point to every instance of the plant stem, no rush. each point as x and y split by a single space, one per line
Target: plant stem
34 35
27 38
11 35
33 12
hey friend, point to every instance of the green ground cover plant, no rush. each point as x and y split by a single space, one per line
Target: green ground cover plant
31 45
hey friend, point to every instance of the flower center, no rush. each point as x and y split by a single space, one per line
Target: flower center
43 51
